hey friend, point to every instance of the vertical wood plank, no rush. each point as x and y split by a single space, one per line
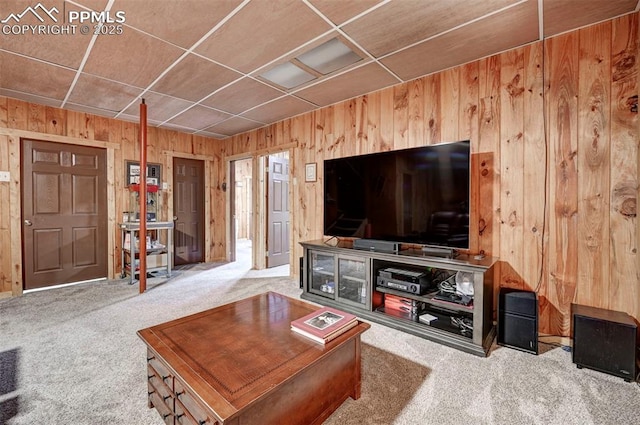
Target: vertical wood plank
592 285
361 125
37 118
386 124
563 184
449 101
5 213
17 114
432 109
15 207
511 166
400 116
489 146
535 198
350 146
468 108
415 97
56 121
374 139
624 289
469 130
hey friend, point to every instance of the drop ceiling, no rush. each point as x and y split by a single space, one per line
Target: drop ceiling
200 64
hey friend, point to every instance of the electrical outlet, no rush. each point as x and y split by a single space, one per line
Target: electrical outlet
4 176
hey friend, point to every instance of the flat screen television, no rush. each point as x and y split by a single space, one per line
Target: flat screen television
417 195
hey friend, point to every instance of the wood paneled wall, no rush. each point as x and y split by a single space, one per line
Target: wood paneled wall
21 119
555 137
554 132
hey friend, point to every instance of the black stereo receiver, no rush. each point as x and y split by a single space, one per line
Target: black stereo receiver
413 282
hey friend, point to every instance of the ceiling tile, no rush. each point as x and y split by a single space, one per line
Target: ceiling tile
279 109
136 119
28 97
242 95
35 77
210 134
485 37
103 94
131 57
89 110
365 79
199 117
563 15
159 107
233 126
193 78
275 26
411 21
185 21
65 48
341 11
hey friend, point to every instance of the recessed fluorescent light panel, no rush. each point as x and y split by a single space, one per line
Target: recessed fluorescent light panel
329 57
288 75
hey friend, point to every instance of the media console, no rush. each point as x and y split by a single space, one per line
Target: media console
400 290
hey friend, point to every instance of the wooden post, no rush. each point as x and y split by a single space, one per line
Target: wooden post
143 198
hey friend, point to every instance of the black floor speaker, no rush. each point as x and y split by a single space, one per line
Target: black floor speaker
605 341
518 320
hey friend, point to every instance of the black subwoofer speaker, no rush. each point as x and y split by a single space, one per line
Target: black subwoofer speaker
605 341
518 320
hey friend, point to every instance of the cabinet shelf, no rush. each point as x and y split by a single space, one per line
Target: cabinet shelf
428 298
442 321
353 274
158 258
354 279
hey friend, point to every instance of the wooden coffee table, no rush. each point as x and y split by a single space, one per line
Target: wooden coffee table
240 363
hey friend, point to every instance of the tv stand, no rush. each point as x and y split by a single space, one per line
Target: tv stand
344 277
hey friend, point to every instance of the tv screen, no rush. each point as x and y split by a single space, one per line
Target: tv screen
417 195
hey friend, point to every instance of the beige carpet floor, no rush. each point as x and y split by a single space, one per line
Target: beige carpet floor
71 356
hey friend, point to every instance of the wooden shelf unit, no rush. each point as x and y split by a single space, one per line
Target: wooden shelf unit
327 283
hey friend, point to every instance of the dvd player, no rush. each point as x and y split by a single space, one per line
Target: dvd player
404 275
409 281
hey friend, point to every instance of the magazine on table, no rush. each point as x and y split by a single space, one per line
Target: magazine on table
324 324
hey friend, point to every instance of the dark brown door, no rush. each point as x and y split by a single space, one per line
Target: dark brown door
188 207
277 211
64 212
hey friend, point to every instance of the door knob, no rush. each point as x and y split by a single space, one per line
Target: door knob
175 217
28 223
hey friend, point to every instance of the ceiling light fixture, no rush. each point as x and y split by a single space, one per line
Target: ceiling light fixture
288 75
329 57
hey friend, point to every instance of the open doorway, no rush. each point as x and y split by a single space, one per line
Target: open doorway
242 226
259 223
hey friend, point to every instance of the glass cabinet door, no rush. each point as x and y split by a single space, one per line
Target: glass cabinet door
352 281
322 280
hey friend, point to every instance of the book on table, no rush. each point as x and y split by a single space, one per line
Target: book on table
324 324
